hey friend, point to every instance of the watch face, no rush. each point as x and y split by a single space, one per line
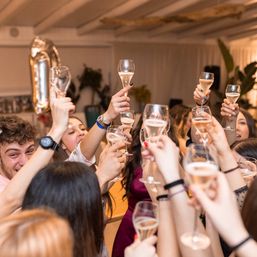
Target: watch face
46 142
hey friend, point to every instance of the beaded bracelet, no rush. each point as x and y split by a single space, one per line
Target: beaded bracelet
174 183
234 248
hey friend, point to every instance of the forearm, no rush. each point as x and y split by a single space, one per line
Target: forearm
91 141
13 194
227 162
103 181
167 241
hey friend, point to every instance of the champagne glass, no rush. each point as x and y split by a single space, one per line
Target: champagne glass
127 119
200 169
201 120
60 79
205 80
145 219
126 69
232 93
156 118
147 165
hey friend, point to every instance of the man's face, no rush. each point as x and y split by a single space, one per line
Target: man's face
13 156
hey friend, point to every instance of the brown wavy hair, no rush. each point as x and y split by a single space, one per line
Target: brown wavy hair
14 129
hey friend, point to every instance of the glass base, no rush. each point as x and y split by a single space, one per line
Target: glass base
149 180
195 241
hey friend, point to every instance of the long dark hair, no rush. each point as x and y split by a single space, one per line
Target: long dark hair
135 149
250 122
72 190
246 147
249 210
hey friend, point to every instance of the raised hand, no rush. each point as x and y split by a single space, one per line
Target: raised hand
199 96
142 248
166 155
111 162
60 110
119 103
229 109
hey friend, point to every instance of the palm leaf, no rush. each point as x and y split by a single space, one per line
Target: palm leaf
227 57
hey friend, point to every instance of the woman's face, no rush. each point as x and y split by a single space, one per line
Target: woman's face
73 135
242 130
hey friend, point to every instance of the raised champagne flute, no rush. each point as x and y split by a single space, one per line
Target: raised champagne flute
206 80
155 119
201 120
126 69
145 219
200 168
127 119
232 93
60 79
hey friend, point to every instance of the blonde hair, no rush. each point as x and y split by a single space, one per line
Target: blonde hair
35 232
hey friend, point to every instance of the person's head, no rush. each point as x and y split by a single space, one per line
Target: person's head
249 210
181 119
245 125
17 144
73 191
73 135
35 232
246 147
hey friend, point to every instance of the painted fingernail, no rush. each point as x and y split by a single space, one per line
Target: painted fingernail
145 144
135 236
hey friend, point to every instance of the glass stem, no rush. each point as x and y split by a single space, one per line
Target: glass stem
195 226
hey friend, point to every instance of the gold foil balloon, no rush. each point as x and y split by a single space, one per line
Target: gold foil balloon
43 56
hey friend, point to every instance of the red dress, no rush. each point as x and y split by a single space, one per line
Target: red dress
126 232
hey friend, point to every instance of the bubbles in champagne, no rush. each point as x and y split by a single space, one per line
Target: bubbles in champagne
145 226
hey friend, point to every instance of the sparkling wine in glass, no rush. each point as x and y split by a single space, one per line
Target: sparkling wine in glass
201 120
232 93
200 169
205 80
60 79
155 118
126 69
145 219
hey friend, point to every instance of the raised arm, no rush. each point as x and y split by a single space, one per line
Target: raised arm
224 213
119 103
12 197
166 157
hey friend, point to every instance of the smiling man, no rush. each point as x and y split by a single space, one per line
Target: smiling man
17 144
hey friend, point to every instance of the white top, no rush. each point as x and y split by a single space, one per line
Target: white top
77 156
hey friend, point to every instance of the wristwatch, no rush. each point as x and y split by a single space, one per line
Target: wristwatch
47 142
101 122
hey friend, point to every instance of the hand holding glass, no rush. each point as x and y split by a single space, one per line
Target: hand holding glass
206 80
200 169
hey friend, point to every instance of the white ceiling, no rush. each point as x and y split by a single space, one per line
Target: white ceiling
143 20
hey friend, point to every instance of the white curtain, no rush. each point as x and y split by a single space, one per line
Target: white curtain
169 70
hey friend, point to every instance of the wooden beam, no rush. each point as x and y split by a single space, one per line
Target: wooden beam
244 34
171 8
215 25
11 9
59 14
120 10
251 24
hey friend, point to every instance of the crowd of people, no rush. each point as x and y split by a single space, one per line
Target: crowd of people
53 194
